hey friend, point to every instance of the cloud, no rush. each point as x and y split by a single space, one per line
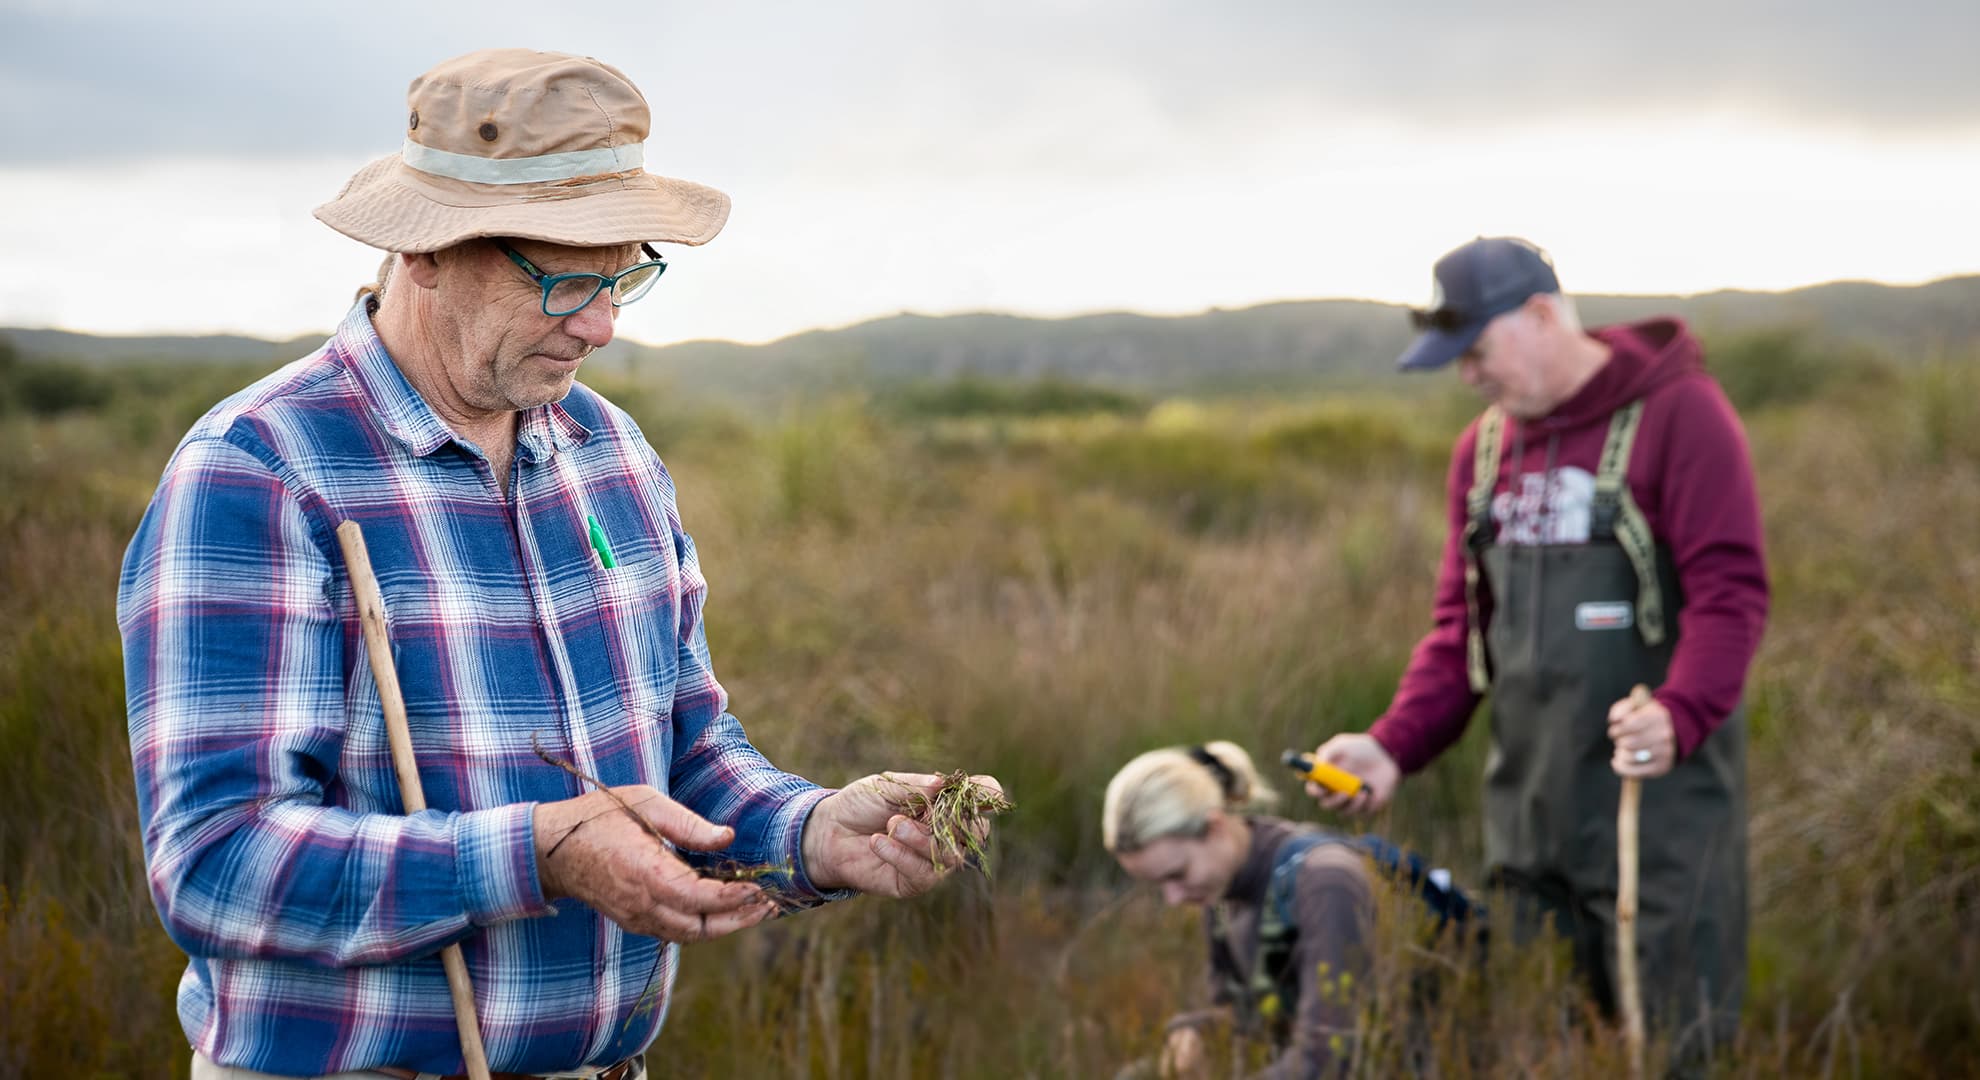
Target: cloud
1043 156
1012 85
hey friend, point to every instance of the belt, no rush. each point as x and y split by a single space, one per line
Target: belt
622 1071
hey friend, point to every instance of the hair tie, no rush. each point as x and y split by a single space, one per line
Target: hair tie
1226 779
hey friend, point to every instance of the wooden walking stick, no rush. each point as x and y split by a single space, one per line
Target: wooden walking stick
1627 988
378 647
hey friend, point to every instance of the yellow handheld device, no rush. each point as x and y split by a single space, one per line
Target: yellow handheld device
1327 776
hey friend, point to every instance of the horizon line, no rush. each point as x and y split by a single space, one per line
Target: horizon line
1032 316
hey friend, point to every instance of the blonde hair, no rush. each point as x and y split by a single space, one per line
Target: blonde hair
1171 792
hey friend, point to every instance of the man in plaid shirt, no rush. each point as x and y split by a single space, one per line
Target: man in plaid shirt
542 592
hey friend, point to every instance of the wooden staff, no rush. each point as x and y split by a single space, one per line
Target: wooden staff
1627 988
378 647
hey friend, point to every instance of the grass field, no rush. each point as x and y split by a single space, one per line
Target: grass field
1040 585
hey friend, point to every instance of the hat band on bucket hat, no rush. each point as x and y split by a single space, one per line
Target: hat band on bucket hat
602 162
527 145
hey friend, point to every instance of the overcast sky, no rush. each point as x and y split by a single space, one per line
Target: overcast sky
158 169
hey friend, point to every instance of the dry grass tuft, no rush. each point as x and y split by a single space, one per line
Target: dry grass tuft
958 817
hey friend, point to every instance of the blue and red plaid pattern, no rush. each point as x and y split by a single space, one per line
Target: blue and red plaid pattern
279 853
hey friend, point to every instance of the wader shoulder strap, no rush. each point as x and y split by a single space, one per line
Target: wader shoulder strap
1615 513
1273 989
1231 988
1478 533
1271 992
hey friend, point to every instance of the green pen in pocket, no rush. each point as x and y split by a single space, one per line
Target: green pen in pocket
599 543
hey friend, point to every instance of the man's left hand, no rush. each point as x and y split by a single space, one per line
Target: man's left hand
1638 728
859 837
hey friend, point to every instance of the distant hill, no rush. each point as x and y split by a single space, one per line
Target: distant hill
1281 344
1287 343
1270 343
1906 322
205 348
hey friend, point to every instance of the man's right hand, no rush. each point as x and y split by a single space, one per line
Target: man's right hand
1364 757
590 849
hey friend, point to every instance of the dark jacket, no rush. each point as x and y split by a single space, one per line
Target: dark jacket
1333 913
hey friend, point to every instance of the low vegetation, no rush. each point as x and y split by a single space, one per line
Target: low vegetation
1045 592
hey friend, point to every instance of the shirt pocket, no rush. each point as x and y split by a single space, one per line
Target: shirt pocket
637 604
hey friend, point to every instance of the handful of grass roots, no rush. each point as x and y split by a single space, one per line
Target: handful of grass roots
957 816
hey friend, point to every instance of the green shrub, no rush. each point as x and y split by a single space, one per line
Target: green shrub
975 396
1942 412
1201 479
48 389
1779 366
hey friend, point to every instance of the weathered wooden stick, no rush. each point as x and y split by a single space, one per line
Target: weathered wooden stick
378 648
1628 990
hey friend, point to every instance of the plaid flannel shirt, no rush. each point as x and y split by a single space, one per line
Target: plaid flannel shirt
279 853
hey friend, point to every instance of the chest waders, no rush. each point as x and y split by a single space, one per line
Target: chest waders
1573 627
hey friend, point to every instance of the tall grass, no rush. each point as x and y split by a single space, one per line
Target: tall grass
1041 594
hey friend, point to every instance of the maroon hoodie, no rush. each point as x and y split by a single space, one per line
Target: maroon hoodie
1691 474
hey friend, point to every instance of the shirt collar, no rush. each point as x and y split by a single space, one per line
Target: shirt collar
540 433
1253 875
548 429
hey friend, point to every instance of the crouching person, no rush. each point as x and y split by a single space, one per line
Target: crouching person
1288 909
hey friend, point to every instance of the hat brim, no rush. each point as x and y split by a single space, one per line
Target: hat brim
1433 349
395 208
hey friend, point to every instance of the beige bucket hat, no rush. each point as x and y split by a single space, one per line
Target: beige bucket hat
513 142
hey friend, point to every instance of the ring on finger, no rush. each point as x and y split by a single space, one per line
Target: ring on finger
1642 757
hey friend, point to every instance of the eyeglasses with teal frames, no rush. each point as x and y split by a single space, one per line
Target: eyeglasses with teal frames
567 294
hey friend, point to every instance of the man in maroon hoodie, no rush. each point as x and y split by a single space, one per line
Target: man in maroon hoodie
1604 533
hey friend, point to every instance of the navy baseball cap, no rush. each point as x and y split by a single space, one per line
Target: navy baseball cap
1475 284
